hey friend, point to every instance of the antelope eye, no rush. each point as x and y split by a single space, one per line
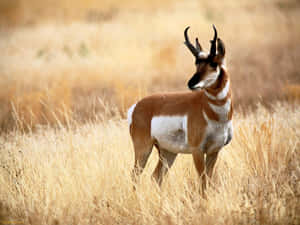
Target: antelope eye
213 64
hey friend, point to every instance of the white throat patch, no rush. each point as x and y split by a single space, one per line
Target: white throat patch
210 79
220 95
222 111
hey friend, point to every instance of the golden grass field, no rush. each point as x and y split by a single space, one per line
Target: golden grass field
82 176
70 70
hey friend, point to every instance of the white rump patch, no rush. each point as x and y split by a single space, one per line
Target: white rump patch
129 114
171 132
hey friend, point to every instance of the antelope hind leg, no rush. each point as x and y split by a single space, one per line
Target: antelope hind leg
166 160
142 152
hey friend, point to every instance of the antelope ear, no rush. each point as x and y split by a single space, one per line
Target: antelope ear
221 49
219 58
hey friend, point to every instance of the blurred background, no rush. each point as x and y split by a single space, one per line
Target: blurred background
78 60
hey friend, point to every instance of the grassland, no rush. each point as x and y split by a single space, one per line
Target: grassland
68 75
82 176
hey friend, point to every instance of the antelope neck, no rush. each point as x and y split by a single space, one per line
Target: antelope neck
219 90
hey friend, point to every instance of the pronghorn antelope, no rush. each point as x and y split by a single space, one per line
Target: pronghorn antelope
197 122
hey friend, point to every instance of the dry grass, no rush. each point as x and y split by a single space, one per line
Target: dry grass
82 176
79 68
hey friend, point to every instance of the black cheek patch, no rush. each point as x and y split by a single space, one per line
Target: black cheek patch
193 81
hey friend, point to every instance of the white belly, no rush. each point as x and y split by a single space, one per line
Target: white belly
171 133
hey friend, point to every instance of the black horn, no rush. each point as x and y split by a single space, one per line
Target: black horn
213 48
189 45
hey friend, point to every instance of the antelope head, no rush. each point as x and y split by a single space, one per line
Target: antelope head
208 65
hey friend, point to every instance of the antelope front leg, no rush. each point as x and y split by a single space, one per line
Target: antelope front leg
198 157
211 160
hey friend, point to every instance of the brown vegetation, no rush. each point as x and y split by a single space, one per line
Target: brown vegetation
55 68
79 68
